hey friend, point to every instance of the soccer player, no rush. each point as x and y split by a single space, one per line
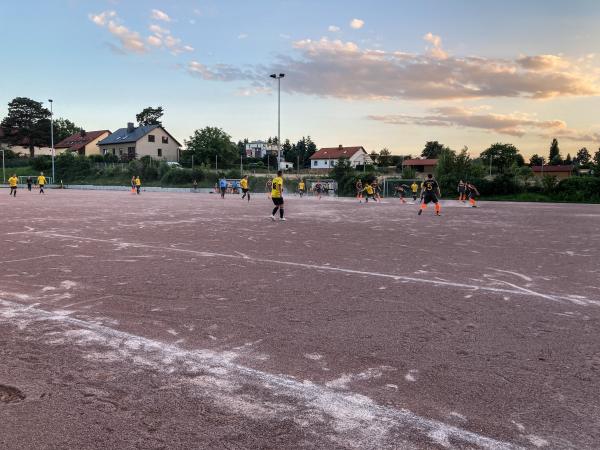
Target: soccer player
269 187
277 195
414 187
430 192
222 187
301 188
401 189
41 181
359 190
471 192
377 189
138 185
461 191
29 183
245 189
370 192
133 184
318 189
12 182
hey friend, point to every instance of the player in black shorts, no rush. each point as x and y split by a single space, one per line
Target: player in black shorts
430 192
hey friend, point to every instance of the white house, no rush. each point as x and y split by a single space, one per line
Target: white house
259 149
135 142
326 158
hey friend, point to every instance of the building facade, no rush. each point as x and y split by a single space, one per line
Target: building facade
83 142
136 142
328 157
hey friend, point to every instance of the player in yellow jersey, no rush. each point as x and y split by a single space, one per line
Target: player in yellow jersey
301 188
414 187
245 188
277 195
138 185
12 182
41 181
370 192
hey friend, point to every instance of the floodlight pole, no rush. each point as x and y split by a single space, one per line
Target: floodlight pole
52 136
278 77
3 169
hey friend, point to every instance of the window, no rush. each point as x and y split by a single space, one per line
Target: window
104 151
150 138
165 140
316 163
131 152
159 152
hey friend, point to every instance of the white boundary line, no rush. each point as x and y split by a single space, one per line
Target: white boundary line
517 290
354 417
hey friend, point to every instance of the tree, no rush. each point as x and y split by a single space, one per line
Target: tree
582 157
536 160
211 142
27 124
432 149
568 160
150 116
503 156
554 157
385 158
597 160
63 128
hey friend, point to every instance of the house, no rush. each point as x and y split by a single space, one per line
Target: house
422 167
22 148
136 142
328 157
83 142
259 149
560 172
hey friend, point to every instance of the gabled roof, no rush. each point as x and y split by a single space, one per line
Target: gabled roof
79 140
121 136
562 168
337 152
420 162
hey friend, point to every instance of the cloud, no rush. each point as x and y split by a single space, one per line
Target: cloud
155 41
436 51
333 29
219 72
158 30
516 124
157 14
346 70
130 41
357 24
242 36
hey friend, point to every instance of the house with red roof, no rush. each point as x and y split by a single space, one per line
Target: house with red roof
421 166
329 157
559 171
82 142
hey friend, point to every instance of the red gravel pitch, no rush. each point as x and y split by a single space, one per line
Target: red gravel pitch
184 321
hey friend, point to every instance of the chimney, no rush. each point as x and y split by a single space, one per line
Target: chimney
340 146
82 133
130 127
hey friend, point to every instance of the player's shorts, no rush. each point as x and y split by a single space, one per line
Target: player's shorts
277 201
245 191
429 199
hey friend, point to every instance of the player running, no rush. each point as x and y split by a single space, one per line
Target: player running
471 193
222 187
301 188
377 189
359 190
462 191
12 182
318 189
245 188
138 185
430 192
414 187
29 183
370 192
41 181
277 195
401 189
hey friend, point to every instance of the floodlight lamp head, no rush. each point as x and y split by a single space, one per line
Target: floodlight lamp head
273 76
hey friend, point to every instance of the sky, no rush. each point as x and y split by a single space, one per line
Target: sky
379 73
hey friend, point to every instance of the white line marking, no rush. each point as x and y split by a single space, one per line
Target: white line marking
517 289
30 259
353 416
516 274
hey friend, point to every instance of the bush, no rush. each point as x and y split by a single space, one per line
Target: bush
41 163
178 176
72 167
135 168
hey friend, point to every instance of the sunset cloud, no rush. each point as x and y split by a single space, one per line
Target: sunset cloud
157 14
131 41
357 24
333 29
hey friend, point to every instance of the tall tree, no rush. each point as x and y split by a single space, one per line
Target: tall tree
503 156
432 149
554 157
27 124
211 142
568 160
536 160
583 157
63 128
385 157
597 161
150 116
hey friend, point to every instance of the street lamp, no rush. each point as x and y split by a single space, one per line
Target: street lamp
52 136
278 77
3 170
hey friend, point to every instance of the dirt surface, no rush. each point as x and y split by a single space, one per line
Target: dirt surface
185 321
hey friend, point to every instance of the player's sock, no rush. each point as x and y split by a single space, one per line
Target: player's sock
281 213
438 208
